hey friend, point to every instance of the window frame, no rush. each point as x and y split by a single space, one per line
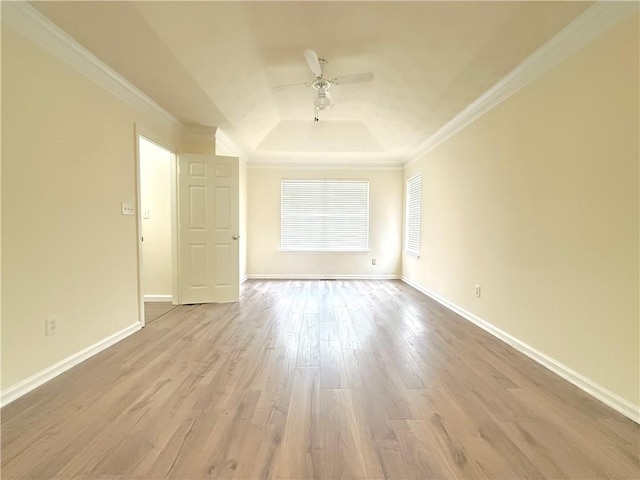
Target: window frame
413 231
317 247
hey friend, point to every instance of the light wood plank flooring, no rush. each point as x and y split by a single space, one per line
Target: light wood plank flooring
155 310
314 379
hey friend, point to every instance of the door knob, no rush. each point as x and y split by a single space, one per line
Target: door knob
235 237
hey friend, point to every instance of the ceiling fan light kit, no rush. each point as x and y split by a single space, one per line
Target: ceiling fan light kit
322 102
322 85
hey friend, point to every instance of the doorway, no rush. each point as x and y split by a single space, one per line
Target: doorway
157 212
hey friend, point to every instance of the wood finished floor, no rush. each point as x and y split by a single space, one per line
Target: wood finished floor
155 310
314 379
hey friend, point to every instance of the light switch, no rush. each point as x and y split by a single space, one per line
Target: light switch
145 215
127 209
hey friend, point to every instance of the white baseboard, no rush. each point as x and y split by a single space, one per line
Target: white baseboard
243 279
158 298
607 397
328 276
16 391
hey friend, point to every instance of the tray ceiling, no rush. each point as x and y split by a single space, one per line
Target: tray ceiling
216 63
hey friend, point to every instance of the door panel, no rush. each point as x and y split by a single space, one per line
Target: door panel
208 223
227 224
196 187
224 256
198 258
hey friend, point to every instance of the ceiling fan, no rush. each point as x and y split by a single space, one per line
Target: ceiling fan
321 84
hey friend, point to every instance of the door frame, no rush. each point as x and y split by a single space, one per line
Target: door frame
175 281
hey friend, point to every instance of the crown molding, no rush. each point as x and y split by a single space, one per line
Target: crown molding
592 23
321 166
290 159
25 19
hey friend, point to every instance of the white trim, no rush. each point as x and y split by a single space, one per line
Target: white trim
409 226
321 166
244 279
375 158
175 266
315 276
607 397
158 298
16 391
589 25
139 246
27 20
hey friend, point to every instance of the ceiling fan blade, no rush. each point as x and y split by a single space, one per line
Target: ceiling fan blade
359 78
277 87
314 64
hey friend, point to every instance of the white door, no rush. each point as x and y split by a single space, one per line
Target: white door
208 229
226 229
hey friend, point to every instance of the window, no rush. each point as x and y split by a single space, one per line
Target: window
412 216
325 215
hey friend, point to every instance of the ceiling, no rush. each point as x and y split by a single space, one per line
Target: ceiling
216 63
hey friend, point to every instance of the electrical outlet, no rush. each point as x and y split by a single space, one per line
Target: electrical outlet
51 325
477 291
373 261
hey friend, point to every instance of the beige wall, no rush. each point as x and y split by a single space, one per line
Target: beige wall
155 195
263 229
200 140
537 202
68 160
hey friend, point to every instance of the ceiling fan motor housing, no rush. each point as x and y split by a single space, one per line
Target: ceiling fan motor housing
321 84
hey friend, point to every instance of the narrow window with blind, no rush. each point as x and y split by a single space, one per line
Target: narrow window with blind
325 215
412 215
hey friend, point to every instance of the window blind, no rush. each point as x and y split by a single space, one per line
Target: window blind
412 215
325 215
